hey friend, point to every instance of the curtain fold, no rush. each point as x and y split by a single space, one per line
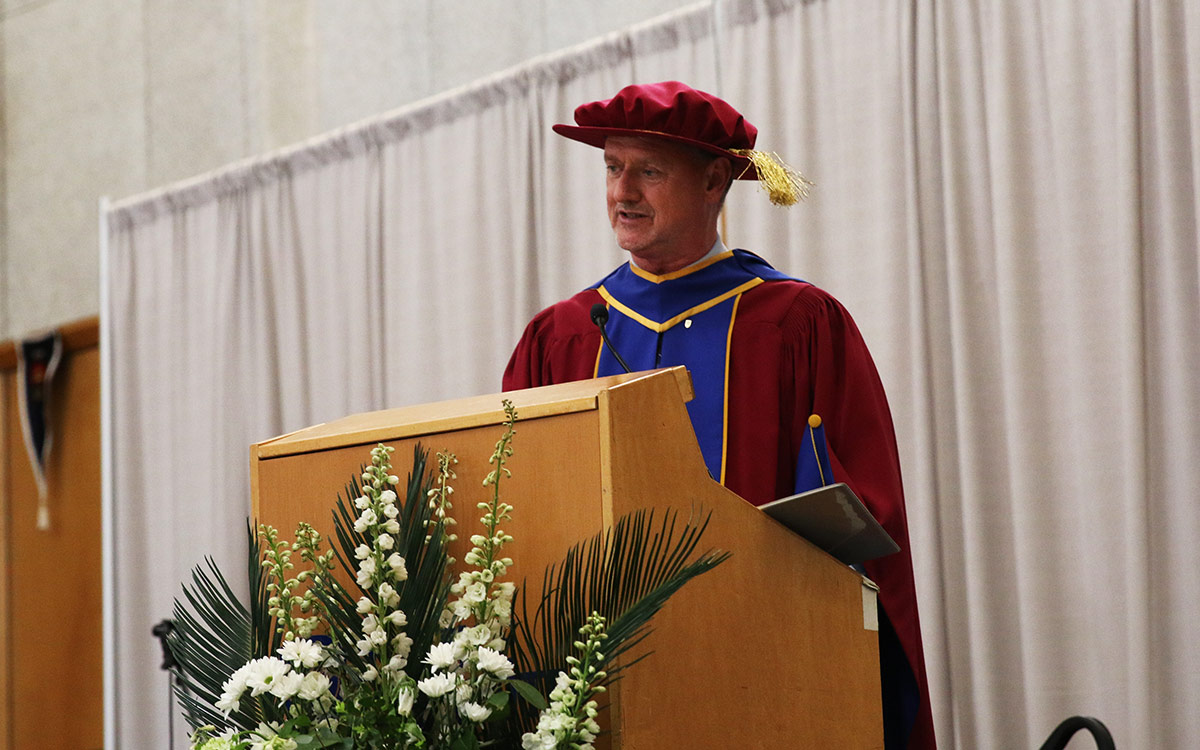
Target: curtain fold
1005 199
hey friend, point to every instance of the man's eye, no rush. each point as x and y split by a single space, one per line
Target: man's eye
650 172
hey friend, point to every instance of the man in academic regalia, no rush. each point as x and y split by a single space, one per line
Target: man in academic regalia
765 351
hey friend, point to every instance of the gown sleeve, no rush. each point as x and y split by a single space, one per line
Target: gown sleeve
834 376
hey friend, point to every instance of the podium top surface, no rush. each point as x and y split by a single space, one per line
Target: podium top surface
457 414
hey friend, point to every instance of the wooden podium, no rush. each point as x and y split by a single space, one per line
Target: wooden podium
776 648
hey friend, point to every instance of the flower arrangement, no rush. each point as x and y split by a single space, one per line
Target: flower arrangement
412 656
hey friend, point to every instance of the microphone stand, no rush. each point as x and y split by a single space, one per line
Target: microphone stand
600 318
162 631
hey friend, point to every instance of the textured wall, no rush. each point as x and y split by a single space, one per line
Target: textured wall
115 97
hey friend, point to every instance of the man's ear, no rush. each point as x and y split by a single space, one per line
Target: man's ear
717 176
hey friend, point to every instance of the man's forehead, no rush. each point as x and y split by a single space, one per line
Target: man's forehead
625 147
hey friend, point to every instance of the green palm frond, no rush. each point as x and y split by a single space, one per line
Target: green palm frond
425 592
214 635
626 574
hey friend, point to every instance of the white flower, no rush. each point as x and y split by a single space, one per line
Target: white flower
364 605
370 624
391 511
365 521
475 712
404 701
366 571
399 569
387 497
460 609
264 672
302 653
402 643
386 541
475 593
539 741
398 618
361 502
437 685
370 675
287 685
377 637
442 655
476 636
396 664
228 702
495 662
313 686
362 552
391 526
387 595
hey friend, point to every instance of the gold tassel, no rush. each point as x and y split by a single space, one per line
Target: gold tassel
785 185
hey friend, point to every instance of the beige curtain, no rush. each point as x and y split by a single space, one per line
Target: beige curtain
1006 200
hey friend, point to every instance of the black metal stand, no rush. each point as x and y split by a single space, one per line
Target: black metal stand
161 631
1063 733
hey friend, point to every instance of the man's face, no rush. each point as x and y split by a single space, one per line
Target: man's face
661 202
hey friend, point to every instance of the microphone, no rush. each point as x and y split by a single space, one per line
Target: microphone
600 318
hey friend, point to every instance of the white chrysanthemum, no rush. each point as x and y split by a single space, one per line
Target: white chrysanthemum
475 712
443 655
264 672
313 686
495 662
435 686
228 702
302 652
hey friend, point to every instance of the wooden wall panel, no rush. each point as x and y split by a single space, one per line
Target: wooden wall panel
50 593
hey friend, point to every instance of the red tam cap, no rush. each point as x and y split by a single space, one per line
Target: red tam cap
672 111
677 112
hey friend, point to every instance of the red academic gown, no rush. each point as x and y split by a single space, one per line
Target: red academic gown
794 351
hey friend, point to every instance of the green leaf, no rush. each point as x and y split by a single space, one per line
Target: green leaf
528 692
626 574
498 700
465 741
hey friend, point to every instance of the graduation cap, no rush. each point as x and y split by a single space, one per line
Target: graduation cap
676 112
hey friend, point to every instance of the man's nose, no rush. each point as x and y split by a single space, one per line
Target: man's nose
625 188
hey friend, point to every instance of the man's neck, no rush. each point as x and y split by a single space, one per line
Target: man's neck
678 264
